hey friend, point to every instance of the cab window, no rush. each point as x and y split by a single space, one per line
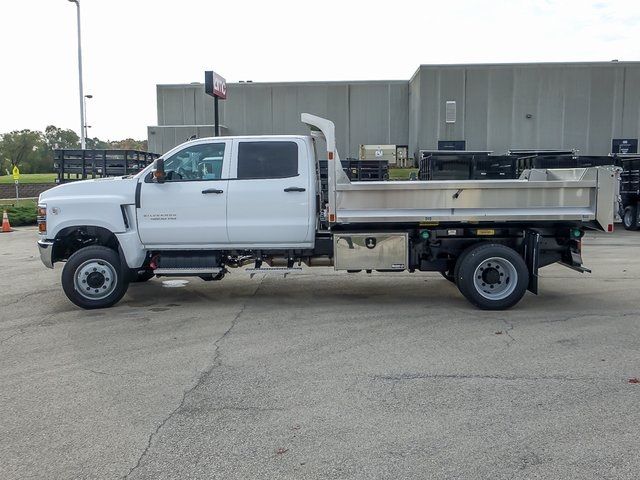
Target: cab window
260 160
197 162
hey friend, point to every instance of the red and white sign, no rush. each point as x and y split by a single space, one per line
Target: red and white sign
215 85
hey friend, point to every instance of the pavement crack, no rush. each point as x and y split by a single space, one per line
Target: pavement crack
571 317
248 409
508 331
23 297
215 363
99 372
443 376
20 332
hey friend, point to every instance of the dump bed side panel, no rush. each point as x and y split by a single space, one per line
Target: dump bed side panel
583 195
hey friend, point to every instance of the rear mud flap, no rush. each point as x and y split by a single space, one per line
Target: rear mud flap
531 258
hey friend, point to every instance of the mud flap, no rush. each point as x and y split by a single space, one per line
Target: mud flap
531 258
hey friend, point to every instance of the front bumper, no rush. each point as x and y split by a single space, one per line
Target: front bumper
46 252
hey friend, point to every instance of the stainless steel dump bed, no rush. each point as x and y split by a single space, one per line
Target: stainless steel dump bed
581 194
586 195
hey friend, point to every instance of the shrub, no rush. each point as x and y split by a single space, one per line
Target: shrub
24 213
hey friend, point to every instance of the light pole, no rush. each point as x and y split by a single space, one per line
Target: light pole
86 127
82 125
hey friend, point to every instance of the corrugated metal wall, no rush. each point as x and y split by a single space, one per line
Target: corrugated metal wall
499 107
364 112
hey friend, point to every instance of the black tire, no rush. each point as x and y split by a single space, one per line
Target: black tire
139 276
101 271
459 260
630 217
449 276
498 266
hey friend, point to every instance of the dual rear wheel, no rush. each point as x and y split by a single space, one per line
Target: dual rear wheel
491 276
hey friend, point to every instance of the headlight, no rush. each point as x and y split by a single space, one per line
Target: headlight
42 219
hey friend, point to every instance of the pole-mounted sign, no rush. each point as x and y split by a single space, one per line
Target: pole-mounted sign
16 179
216 86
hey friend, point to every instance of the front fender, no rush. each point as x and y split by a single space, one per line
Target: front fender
97 211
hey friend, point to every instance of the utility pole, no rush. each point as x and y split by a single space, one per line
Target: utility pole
83 143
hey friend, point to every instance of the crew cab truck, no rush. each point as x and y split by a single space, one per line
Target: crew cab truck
213 205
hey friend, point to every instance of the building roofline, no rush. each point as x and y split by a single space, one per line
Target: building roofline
612 64
293 82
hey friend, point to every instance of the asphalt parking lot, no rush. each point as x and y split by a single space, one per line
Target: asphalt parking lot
322 375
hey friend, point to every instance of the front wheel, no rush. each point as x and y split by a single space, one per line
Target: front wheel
492 276
94 277
630 217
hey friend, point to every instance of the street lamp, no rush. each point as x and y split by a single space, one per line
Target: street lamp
86 132
82 124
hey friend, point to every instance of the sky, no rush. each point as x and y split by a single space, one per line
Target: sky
129 46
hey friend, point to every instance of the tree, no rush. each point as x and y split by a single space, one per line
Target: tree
129 144
32 151
25 149
96 143
61 138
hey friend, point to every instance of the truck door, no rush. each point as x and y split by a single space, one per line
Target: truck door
270 194
190 207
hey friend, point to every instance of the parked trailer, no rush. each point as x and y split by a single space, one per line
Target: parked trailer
525 159
72 165
630 190
213 205
464 165
478 165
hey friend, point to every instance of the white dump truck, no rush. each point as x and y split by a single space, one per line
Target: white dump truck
216 204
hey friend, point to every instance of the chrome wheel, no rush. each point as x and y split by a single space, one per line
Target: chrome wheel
95 279
495 278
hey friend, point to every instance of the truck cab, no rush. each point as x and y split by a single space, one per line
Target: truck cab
249 192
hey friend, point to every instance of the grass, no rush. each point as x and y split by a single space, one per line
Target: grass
30 178
21 213
401 173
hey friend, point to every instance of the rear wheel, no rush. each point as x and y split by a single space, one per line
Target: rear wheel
449 276
94 277
630 217
492 276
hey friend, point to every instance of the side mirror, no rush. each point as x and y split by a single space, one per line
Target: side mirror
159 175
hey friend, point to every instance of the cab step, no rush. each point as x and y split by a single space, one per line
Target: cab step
185 272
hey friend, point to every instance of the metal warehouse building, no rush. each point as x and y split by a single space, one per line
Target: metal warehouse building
489 107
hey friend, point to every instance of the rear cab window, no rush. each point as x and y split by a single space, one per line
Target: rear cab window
267 159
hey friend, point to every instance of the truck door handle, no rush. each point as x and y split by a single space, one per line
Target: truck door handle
295 189
212 190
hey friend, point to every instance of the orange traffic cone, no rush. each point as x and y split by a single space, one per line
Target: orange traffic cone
6 226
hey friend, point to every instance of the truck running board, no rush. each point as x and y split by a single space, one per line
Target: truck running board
284 271
186 271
